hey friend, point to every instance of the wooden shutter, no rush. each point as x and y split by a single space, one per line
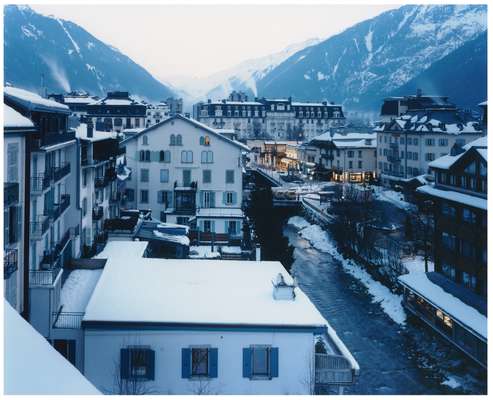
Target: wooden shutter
185 363
247 362
212 200
124 363
224 197
234 198
213 363
274 362
150 361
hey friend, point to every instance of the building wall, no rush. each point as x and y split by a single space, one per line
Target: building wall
296 352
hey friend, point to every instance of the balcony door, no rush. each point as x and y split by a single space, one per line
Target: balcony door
187 177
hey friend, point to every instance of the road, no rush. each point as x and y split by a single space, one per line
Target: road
393 359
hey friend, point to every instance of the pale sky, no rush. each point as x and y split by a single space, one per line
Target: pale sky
199 40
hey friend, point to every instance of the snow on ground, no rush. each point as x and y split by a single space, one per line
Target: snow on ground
231 249
390 302
391 196
33 367
452 382
203 252
417 264
298 222
78 288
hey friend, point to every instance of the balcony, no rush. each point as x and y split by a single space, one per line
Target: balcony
51 139
9 263
43 277
97 213
67 320
39 227
61 171
40 183
10 193
393 157
59 208
332 369
51 259
102 181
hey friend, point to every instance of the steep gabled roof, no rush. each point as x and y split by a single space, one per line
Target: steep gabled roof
14 120
33 101
190 121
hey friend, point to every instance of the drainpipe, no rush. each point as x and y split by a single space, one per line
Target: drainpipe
27 218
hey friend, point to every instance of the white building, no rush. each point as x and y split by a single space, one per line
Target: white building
16 128
156 113
53 218
33 367
349 157
206 327
187 173
98 187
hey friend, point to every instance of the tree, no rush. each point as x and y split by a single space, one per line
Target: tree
423 223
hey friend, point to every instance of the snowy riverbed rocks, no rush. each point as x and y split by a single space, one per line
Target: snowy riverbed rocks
321 240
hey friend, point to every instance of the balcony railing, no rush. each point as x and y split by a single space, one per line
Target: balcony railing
102 181
43 277
67 320
10 193
61 171
97 213
51 139
59 208
39 183
332 369
39 227
393 157
10 264
51 259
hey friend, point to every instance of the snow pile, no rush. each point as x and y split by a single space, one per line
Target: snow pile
390 302
393 197
417 264
14 119
298 222
179 239
33 367
78 288
203 252
452 382
231 249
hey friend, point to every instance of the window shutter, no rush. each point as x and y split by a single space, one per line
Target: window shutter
124 363
224 197
213 363
234 197
213 226
185 363
247 362
202 203
150 354
201 224
6 226
226 227
212 200
274 362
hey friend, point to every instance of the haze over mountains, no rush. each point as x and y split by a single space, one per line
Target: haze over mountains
440 48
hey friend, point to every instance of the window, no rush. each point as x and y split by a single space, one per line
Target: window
448 210
187 156
350 164
142 155
448 241
360 153
84 206
161 156
448 271
172 140
207 157
360 164
232 227
129 193
229 198
205 140
199 362
165 156
179 140
187 177
144 196
137 363
206 176
207 199
147 155
468 216
350 154
145 141
84 178
415 156
415 141
430 142
443 142
165 197
230 176
164 175
144 175
260 362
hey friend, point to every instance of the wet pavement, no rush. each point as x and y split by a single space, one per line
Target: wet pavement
393 359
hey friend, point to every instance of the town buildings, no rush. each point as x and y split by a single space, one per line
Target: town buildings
416 130
52 216
156 113
187 173
254 332
349 157
270 118
16 129
281 155
452 299
98 183
117 111
77 102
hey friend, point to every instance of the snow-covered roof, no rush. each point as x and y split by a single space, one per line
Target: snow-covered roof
137 289
14 119
457 197
78 99
484 103
220 212
327 136
33 101
116 102
179 239
81 133
77 289
234 103
451 305
479 142
33 367
446 161
298 104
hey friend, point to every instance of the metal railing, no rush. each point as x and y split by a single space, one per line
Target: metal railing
9 263
97 212
67 320
39 183
50 139
59 208
332 369
61 171
43 277
10 193
39 227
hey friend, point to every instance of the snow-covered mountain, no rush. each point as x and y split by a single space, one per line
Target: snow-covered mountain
373 58
243 76
69 58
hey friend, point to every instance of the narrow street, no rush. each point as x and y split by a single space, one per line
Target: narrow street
390 357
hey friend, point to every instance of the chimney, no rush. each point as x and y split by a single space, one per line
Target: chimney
257 252
90 129
281 290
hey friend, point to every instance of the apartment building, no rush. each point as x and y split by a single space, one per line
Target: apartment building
187 173
98 184
453 298
280 119
420 131
16 129
156 113
52 219
349 157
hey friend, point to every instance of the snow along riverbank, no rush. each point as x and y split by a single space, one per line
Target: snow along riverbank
321 240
